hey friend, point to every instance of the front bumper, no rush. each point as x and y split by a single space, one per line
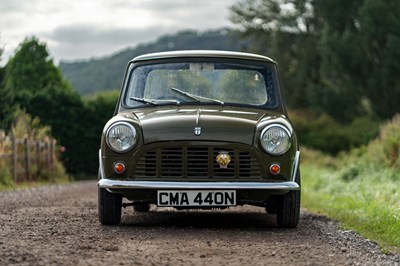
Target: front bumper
116 184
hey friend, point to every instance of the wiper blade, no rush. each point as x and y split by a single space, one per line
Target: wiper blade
143 100
167 101
154 101
187 94
197 97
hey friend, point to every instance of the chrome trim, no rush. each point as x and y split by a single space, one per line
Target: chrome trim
295 165
198 117
197 129
101 168
125 124
281 127
117 184
202 53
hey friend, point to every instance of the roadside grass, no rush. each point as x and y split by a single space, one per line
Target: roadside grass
368 204
360 188
27 184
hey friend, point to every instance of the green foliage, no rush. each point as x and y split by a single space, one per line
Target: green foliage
26 127
390 138
40 89
6 179
381 153
289 36
31 70
106 73
7 110
63 110
368 205
99 109
322 132
332 54
360 187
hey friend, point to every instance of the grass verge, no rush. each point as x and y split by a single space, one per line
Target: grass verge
27 184
369 204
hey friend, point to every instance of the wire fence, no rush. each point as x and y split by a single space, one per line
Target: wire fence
26 159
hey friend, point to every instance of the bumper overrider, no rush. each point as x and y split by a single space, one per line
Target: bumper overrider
115 185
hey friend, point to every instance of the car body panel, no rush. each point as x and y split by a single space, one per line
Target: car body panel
171 152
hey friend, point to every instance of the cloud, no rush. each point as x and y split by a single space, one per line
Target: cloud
93 28
83 41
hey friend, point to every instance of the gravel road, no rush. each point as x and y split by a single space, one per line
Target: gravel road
57 225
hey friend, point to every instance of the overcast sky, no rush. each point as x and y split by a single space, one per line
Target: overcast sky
92 28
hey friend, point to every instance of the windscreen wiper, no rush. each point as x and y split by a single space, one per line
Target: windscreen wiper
196 97
184 93
143 100
154 101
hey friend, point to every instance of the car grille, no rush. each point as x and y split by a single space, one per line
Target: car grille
196 162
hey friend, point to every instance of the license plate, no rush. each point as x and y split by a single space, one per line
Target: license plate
193 198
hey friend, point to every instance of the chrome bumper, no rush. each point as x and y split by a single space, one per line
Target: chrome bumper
116 184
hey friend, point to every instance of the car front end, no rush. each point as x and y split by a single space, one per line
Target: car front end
200 129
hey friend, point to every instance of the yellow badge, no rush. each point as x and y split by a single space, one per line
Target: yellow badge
223 159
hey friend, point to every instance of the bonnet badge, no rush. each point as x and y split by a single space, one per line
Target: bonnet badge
197 131
223 159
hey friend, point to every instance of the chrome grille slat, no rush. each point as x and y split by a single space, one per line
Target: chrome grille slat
196 162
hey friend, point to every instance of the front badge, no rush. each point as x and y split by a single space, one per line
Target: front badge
197 131
223 159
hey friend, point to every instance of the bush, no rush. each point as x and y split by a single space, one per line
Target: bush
42 167
322 132
381 156
390 140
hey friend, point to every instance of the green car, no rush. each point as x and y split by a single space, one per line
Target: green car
200 130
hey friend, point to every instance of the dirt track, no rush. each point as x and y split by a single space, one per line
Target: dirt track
58 225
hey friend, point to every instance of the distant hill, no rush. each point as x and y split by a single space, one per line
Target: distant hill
106 73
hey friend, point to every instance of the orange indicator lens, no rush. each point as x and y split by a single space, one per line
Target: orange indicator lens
275 169
119 168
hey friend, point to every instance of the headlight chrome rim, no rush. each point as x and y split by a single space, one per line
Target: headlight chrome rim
130 127
285 129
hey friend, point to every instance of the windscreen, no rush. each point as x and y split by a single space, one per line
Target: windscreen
198 82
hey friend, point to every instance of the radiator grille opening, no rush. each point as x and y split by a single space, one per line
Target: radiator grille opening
196 162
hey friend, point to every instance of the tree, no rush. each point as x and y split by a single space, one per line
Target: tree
40 89
7 110
334 55
98 110
32 70
288 32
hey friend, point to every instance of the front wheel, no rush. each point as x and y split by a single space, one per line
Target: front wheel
110 206
288 207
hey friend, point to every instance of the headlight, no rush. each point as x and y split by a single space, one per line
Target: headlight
275 139
121 137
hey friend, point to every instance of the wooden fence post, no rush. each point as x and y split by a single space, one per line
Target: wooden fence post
47 154
38 166
51 152
14 157
34 155
27 159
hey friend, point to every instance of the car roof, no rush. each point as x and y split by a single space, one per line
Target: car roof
202 53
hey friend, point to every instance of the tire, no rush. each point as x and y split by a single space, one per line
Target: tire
141 207
110 206
288 207
271 205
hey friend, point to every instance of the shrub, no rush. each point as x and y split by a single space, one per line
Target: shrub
322 132
35 138
390 140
